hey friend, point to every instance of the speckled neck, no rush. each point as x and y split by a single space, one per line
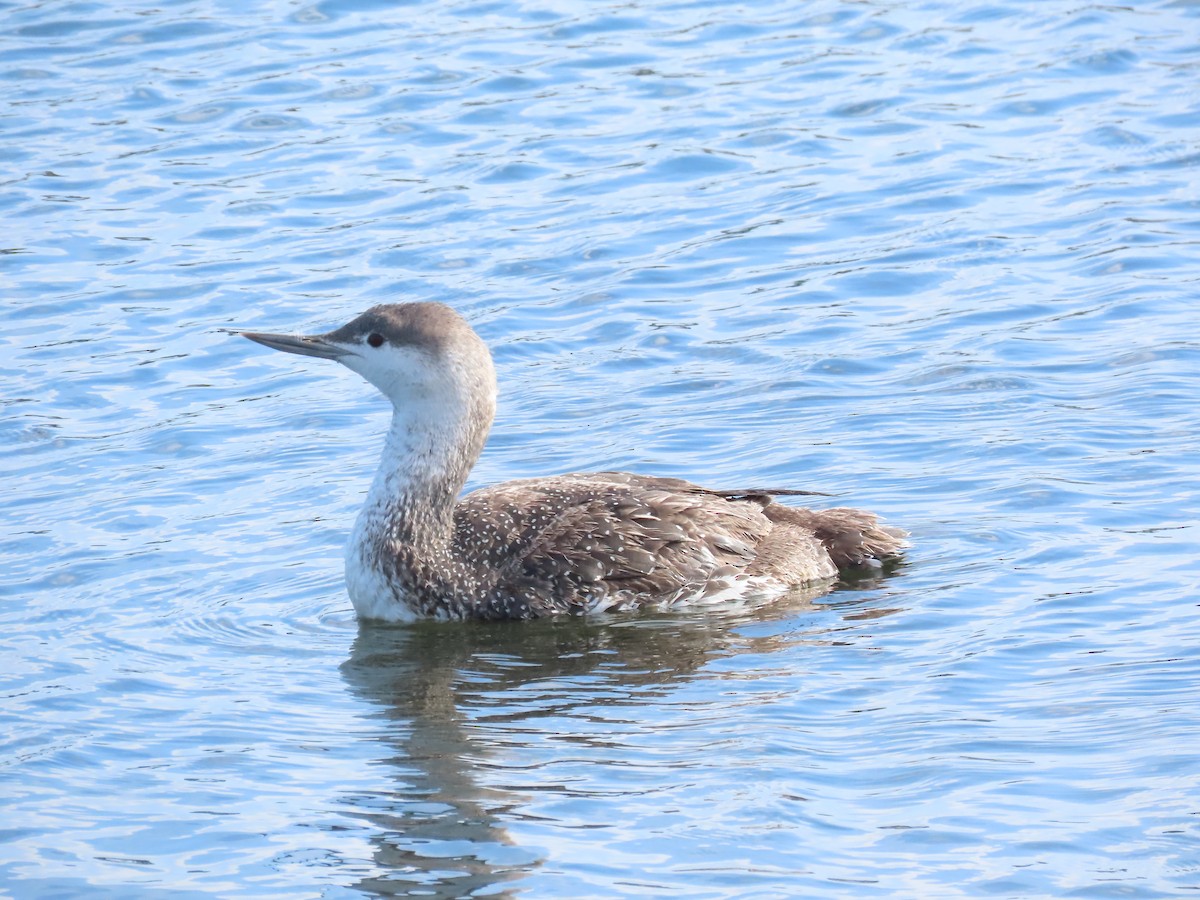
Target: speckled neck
404 535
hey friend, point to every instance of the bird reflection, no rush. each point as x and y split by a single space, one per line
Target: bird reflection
444 693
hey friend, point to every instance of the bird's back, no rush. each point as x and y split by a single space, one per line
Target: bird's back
611 540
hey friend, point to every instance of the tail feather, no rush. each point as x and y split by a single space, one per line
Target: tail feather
854 538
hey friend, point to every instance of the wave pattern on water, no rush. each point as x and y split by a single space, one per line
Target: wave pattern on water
939 259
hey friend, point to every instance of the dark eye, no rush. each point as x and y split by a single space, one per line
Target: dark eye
375 339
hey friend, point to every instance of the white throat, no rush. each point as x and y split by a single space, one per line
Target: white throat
406 522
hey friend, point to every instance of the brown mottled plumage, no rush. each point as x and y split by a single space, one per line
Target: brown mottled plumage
564 544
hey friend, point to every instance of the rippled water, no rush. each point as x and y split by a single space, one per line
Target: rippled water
938 258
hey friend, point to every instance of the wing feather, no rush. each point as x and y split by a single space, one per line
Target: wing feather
575 543
573 540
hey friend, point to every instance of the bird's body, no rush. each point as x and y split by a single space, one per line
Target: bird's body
578 543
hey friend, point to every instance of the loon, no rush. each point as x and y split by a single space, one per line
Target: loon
575 544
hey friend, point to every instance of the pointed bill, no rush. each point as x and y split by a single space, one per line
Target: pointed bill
305 345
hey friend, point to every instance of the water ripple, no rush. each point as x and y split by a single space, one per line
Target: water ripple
938 262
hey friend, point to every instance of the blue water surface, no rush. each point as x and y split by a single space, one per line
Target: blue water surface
939 259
